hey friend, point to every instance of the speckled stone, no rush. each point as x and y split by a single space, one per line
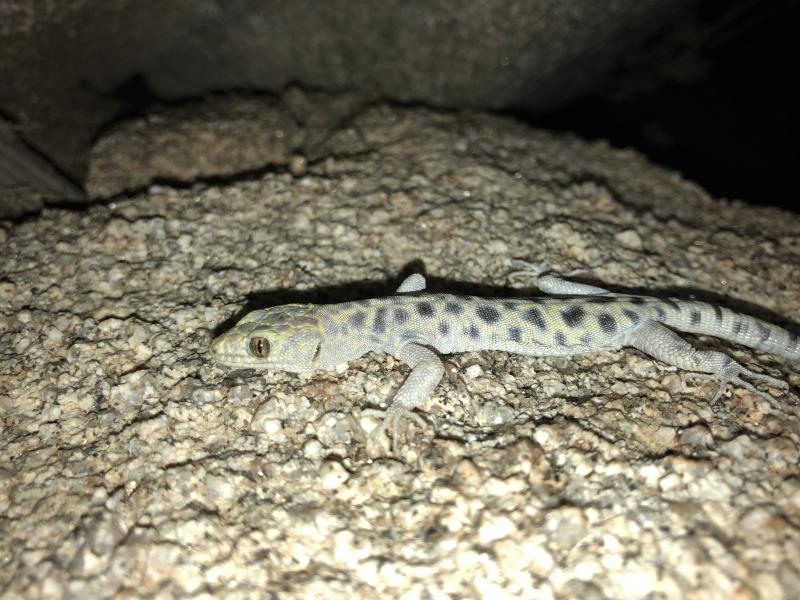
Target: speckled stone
130 465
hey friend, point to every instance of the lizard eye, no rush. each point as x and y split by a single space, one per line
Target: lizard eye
259 346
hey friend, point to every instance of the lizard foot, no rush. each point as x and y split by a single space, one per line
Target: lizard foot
533 270
393 417
734 377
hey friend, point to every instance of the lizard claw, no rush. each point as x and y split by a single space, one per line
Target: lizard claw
393 417
736 379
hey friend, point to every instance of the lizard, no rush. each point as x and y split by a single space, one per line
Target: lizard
571 318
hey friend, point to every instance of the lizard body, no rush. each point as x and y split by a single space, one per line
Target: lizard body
414 326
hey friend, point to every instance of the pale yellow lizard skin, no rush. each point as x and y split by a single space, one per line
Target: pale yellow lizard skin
414 326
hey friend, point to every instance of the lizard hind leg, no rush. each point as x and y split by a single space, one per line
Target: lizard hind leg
664 344
554 283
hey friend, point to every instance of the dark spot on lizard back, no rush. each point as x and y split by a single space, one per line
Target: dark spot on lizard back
515 334
632 315
534 316
638 300
718 314
764 331
587 339
696 317
573 316
400 315
662 314
379 324
737 327
560 338
454 308
357 319
444 328
508 305
672 304
473 331
601 300
608 324
488 313
425 309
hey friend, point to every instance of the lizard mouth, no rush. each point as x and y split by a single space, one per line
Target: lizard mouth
221 354
231 360
236 361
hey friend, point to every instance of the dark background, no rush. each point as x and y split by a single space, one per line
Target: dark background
705 87
726 116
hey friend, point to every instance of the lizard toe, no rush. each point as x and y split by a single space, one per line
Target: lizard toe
396 418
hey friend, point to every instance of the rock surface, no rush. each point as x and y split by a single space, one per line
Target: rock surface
129 465
70 68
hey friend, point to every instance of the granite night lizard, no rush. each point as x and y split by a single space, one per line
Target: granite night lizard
414 326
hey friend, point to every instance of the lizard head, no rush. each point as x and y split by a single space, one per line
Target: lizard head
285 338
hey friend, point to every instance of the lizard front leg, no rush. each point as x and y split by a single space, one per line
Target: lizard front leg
426 372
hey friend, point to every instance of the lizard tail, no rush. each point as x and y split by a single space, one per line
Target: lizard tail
708 319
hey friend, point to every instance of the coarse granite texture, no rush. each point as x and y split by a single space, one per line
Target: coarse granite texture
71 68
216 139
131 466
